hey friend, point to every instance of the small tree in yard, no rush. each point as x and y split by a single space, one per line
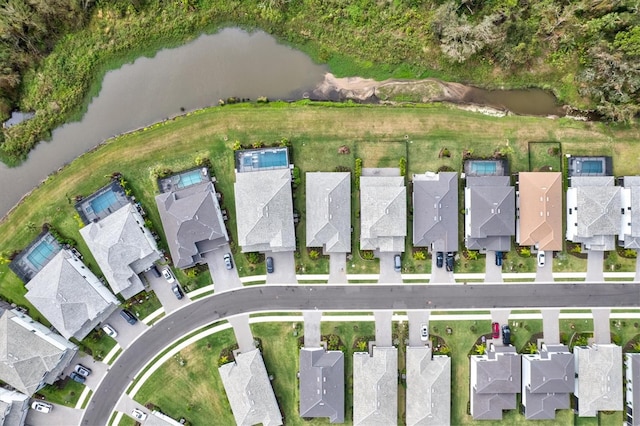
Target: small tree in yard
362 345
531 348
419 255
313 254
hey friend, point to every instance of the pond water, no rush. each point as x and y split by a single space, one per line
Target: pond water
232 62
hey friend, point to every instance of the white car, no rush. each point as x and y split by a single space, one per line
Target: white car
541 259
166 273
109 331
424 332
41 406
139 414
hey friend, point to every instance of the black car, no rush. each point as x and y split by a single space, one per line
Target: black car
439 259
128 316
77 377
498 258
506 335
177 291
450 261
270 265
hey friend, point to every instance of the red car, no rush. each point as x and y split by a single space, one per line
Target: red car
496 330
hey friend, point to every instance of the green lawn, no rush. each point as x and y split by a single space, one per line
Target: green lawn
97 344
64 392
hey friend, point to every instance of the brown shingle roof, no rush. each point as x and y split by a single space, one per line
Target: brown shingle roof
541 210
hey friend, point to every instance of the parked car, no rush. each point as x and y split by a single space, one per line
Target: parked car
166 273
424 332
270 265
439 259
77 377
177 291
450 261
227 261
109 331
541 259
498 258
155 271
139 414
496 330
128 316
82 370
397 263
41 406
506 335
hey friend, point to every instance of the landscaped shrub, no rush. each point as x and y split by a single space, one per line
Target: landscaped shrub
402 164
367 255
237 145
313 254
296 176
258 144
358 171
419 255
253 257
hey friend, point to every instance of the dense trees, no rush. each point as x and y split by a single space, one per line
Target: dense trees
588 51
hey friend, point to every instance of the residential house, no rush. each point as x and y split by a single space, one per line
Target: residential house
489 213
548 380
328 213
495 379
435 211
632 389
249 390
383 205
31 355
70 296
598 384
322 384
14 407
375 387
123 248
593 212
539 207
192 222
629 237
158 418
264 210
428 388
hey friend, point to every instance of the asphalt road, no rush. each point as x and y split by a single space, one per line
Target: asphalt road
344 298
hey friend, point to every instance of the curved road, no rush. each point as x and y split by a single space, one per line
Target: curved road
344 298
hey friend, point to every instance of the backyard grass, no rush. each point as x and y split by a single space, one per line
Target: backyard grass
97 344
64 392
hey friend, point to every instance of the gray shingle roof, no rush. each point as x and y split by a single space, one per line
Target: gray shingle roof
322 384
328 212
631 219
490 213
547 380
632 361
428 388
70 296
31 354
495 379
264 210
249 390
435 211
192 222
375 387
13 408
599 381
123 247
383 217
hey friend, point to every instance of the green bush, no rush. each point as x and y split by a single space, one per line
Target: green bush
402 164
419 255
358 171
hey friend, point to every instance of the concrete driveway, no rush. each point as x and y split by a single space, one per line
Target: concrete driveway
387 269
98 369
551 326
242 330
284 268
383 328
126 406
501 316
440 275
545 273
126 332
601 327
60 415
595 265
223 279
162 289
416 319
493 273
312 328
338 268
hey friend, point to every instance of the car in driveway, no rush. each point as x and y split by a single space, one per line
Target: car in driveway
177 291
82 370
541 259
42 407
138 414
496 330
498 258
424 332
449 261
128 317
397 263
77 377
166 273
270 265
228 263
506 335
110 331
439 259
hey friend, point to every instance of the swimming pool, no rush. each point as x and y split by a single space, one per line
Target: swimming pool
264 159
591 166
484 167
103 201
42 253
189 178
